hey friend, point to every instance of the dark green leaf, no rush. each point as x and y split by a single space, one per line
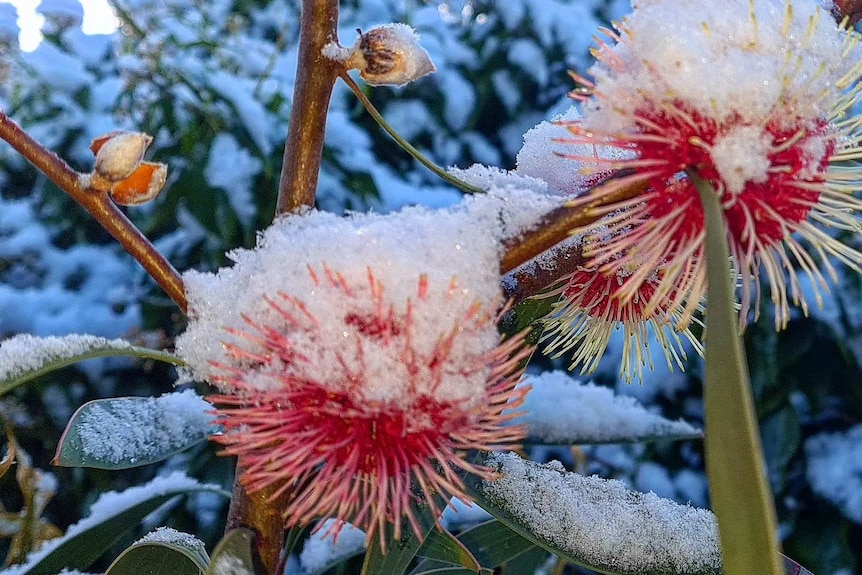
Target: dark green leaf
442 546
52 353
126 432
163 552
399 553
90 538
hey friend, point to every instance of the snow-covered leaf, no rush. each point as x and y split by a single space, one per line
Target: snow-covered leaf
111 516
598 523
562 410
164 551
25 357
233 554
126 432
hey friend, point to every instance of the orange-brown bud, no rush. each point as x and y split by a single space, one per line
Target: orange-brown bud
118 154
141 186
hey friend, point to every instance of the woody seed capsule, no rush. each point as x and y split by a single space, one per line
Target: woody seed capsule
118 154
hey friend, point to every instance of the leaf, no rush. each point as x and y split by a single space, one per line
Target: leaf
738 487
492 544
562 410
232 554
162 552
111 516
126 432
596 523
442 546
399 553
791 567
25 357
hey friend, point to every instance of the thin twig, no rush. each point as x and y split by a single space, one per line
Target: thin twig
99 206
404 144
315 79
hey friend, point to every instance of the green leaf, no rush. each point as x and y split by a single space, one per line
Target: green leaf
589 513
738 487
232 554
112 516
25 357
491 543
527 562
126 432
399 553
442 546
162 552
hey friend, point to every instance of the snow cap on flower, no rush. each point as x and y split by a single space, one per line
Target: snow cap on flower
358 355
390 55
754 97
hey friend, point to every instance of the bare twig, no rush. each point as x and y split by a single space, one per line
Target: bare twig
99 206
316 76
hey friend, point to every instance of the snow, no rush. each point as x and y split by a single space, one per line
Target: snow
741 156
322 549
601 522
135 428
226 564
25 353
562 410
835 469
111 504
174 537
402 251
688 52
233 169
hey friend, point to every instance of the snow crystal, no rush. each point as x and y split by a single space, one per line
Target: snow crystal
170 535
333 51
462 243
226 564
602 522
25 353
111 504
688 51
322 549
488 177
136 428
561 409
232 168
741 156
835 469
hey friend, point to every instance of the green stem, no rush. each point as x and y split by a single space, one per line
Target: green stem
405 145
738 485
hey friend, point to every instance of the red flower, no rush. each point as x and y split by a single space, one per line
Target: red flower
362 425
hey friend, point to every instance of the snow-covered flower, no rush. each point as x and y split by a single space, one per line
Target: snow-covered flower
357 361
753 96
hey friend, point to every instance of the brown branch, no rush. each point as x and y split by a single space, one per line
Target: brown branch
258 512
523 276
316 77
99 206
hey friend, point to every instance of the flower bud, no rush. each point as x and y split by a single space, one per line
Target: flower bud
141 186
390 55
118 154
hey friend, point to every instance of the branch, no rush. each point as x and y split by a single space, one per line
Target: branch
99 206
261 514
316 77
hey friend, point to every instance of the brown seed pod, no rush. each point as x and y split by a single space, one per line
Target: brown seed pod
118 154
390 55
141 186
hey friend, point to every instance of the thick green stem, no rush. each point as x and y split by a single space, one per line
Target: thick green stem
738 485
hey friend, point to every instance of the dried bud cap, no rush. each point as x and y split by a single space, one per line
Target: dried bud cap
141 186
390 55
118 154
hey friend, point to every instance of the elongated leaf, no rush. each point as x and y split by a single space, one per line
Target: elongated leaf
162 552
129 432
738 486
442 546
560 409
399 552
791 567
598 523
233 554
492 543
111 516
25 357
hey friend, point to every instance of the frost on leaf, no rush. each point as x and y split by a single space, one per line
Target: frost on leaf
602 523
